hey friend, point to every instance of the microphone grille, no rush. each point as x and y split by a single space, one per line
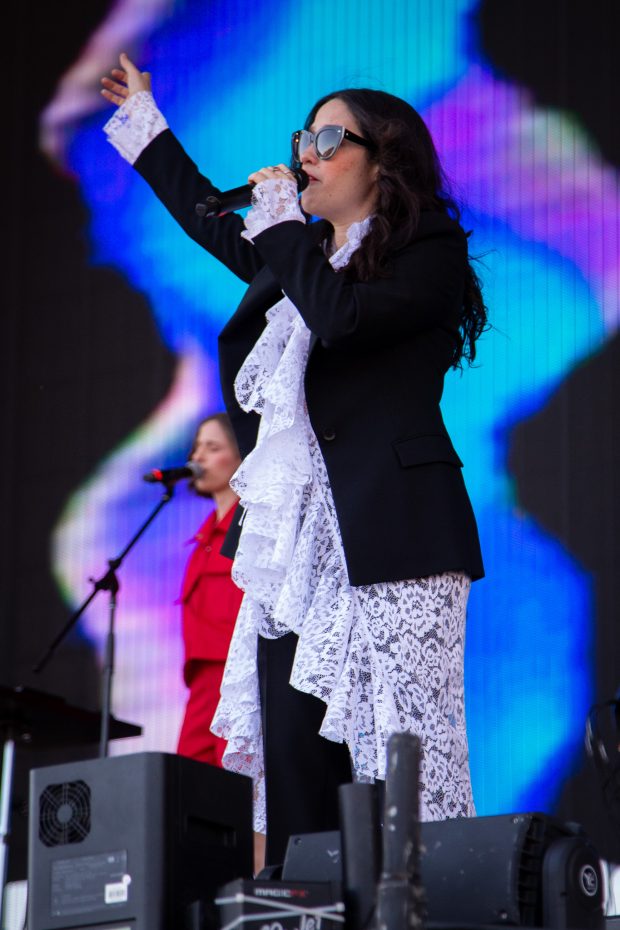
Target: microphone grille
196 469
302 179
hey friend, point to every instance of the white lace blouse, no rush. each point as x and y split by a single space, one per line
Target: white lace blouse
383 658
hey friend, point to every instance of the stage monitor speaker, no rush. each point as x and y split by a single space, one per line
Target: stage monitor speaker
129 843
508 870
519 869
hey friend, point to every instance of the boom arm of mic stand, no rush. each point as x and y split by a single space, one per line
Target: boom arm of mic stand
107 582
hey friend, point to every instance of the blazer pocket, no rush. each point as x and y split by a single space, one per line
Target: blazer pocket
426 450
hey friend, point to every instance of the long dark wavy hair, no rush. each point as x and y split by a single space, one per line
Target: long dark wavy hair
410 179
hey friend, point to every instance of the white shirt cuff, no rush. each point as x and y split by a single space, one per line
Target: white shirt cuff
273 201
134 125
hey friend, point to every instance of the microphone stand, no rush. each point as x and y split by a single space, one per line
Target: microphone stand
107 582
401 903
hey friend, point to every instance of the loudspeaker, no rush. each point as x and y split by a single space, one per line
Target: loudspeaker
313 857
509 870
128 843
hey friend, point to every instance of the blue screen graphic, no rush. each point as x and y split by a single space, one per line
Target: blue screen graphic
234 79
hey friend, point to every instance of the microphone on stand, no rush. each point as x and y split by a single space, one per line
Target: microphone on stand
401 899
172 475
239 197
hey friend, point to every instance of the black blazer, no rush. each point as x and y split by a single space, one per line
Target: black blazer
374 379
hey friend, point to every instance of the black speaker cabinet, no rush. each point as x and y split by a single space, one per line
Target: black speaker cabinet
128 843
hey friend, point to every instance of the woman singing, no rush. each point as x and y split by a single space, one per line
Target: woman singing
359 544
209 599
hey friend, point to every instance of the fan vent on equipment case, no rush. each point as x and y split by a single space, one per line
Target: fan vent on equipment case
64 813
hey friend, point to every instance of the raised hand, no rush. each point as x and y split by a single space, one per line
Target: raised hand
124 82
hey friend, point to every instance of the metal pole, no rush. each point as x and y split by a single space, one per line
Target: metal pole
8 762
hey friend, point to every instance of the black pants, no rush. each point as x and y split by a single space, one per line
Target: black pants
302 769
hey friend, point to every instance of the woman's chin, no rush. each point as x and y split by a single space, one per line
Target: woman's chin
309 203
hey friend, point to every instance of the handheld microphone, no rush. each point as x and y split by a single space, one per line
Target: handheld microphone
239 197
172 475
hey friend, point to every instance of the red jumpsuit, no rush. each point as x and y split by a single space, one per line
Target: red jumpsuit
210 602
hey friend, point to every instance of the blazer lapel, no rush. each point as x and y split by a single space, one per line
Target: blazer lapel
320 231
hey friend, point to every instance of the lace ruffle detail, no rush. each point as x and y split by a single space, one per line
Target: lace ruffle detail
273 201
383 657
134 125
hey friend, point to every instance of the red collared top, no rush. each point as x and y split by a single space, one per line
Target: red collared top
210 599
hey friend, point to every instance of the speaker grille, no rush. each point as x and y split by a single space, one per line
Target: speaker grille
64 813
529 872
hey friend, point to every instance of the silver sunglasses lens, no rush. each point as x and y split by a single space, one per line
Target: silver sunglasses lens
304 139
327 141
